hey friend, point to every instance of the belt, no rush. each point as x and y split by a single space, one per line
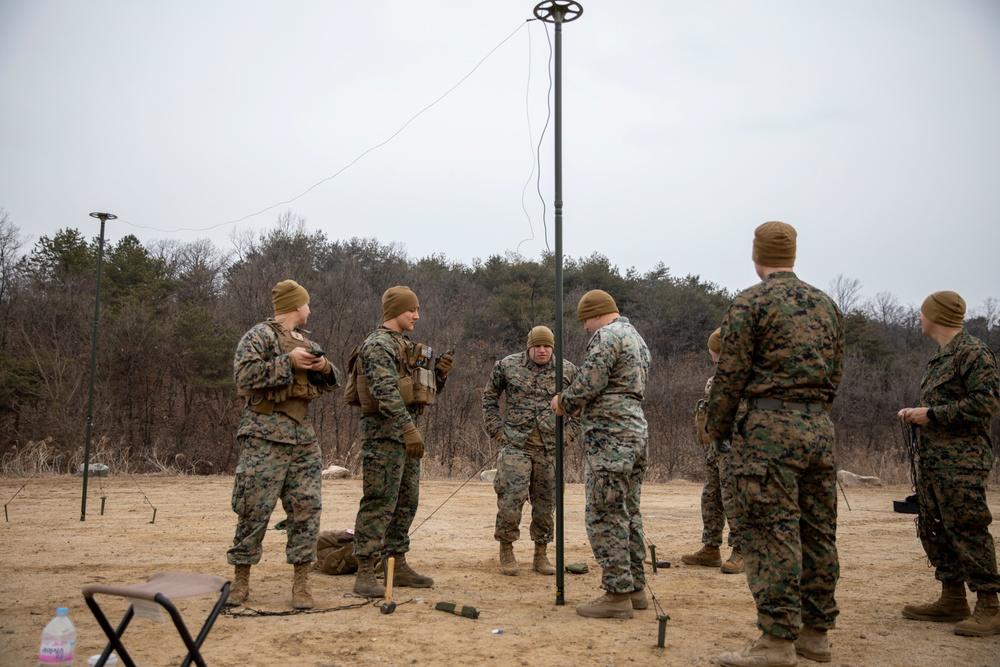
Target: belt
778 404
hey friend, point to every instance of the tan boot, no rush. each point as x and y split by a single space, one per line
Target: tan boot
639 599
609 605
735 563
813 644
301 596
951 607
366 584
240 590
541 563
766 651
404 575
708 556
985 619
508 564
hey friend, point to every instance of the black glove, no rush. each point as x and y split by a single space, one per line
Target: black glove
721 446
317 378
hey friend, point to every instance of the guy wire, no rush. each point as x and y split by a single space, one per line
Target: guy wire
15 495
656 600
445 501
132 477
536 166
351 163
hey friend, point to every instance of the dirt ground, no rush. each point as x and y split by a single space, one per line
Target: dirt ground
48 554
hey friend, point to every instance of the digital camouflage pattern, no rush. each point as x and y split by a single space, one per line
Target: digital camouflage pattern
717 501
608 389
391 480
260 364
960 383
956 456
527 389
525 470
783 339
279 456
267 472
798 333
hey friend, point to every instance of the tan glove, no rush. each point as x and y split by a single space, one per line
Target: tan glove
444 366
414 441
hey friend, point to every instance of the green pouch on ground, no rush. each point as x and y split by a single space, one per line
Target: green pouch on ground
577 568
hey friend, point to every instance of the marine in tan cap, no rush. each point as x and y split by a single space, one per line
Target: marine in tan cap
959 396
525 431
279 372
782 353
400 380
608 391
717 494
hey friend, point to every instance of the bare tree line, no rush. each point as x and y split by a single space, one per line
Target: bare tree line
173 312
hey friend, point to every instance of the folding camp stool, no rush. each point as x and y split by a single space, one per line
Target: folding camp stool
160 589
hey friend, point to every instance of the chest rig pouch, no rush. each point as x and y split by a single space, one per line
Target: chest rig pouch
417 382
290 399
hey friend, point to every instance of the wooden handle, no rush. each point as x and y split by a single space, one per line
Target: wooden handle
390 563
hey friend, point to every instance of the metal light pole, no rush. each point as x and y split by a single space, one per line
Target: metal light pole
558 12
104 217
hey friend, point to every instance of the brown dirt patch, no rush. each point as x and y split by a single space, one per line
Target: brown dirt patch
48 555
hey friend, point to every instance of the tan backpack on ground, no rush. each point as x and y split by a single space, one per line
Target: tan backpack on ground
335 552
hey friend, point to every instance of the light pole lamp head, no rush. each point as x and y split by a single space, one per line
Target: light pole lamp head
558 11
104 216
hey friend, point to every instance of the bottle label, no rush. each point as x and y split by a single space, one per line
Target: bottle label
56 653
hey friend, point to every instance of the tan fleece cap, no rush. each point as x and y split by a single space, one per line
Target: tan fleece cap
715 341
541 335
287 296
396 301
945 308
595 303
774 244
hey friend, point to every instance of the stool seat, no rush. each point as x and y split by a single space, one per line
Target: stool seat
161 589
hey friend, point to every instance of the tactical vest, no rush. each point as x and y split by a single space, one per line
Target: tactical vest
417 382
290 399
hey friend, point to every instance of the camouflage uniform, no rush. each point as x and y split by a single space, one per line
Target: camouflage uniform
609 388
391 486
717 501
526 464
279 454
782 340
956 456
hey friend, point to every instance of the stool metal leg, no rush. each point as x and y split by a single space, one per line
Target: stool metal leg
114 635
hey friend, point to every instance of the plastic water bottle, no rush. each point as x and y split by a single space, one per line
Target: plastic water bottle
58 641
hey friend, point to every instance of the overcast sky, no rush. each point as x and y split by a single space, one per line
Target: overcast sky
872 126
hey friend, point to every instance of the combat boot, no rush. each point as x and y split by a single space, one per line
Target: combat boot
708 556
766 651
609 605
240 590
508 564
985 619
541 562
404 575
366 585
301 596
813 644
951 607
638 599
735 563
